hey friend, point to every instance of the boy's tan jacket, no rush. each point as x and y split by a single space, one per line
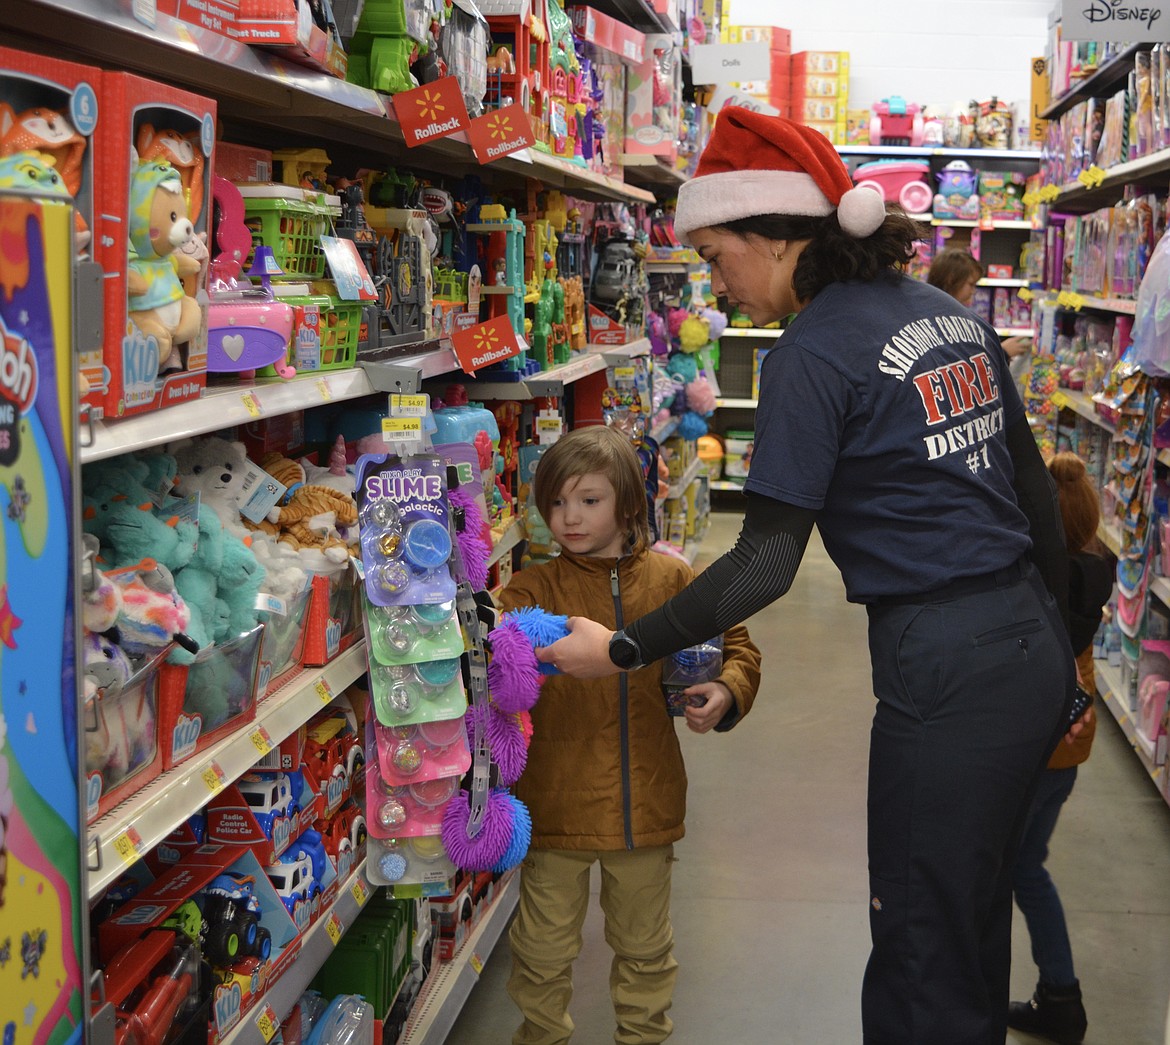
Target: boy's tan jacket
602 775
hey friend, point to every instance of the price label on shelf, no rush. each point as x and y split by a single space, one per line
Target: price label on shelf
251 403
407 429
408 405
324 389
333 928
214 777
548 428
1024 293
266 1022
1060 400
360 893
261 741
128 845
476 963
624 373
323 691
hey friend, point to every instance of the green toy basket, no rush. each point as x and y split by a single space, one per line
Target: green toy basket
338 331
293 229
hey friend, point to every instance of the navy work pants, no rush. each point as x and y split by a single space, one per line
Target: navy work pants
972 692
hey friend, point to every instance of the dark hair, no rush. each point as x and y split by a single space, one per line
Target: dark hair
952 268
602 450
832 255
1080 507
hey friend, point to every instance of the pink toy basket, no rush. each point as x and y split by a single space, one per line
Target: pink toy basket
899 182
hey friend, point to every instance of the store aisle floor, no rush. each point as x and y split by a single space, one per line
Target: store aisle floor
770 890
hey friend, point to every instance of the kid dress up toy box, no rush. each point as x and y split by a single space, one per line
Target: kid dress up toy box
154 149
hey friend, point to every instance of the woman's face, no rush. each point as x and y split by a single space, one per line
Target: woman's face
966 292
747 271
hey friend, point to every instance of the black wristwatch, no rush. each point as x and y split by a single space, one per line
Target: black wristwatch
624 652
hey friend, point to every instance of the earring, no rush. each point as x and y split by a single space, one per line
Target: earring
779 255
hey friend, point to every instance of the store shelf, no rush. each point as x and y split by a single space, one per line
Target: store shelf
150 814
651 172
317 944
1110 536
1014 331
736 404
226 405
511 537
960 223
726 485
1160 587
1110 689
679 486
1080 403
772 332
1080 198
1003 283
1108 79
552 382
991 155
446 989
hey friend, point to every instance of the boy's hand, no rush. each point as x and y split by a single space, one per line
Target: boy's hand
706 718
583 653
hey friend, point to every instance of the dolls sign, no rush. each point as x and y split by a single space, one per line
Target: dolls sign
434 110
501 132
1123 21
484 344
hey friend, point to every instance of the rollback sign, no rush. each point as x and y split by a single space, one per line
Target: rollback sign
961 404
1125 21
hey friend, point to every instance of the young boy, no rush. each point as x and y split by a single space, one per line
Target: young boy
605 781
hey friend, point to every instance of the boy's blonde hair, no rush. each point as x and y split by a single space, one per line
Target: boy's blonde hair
602 450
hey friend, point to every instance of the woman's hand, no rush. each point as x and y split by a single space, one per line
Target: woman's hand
583 653
1016 346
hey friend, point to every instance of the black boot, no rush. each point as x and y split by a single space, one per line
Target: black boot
1054 1013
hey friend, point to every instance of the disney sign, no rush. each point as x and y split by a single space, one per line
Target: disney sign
1124 21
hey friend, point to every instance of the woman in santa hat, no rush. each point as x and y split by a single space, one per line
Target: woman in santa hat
887 417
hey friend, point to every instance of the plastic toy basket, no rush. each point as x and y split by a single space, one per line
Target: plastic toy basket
338 329
292 228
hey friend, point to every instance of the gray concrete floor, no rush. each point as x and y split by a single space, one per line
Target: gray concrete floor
770 890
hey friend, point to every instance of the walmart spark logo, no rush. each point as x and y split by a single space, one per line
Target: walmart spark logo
430 105
486 339
500 126
433 111
489 346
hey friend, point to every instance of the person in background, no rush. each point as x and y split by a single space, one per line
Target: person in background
887 418
1055 1010
957 273
605 781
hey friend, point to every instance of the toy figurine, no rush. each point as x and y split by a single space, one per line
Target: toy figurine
159 228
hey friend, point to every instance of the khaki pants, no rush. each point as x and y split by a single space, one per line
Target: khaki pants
546 939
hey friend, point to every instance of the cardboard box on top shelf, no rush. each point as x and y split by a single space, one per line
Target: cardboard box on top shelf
608 33
218 16
825 62
281 25
833 131
776 38
670 9
652 129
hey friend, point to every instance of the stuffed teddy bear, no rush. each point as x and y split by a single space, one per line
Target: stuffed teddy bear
215 469
158 229
130 531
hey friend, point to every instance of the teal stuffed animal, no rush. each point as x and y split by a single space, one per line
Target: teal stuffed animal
241 579
198 583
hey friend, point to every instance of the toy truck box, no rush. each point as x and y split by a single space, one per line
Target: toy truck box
263 811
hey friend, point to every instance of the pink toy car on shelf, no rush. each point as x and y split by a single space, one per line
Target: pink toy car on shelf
894 121
899 182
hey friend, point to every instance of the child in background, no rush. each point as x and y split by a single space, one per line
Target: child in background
605 781
1056 1011
957 273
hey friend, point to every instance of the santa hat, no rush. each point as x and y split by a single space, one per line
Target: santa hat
755 164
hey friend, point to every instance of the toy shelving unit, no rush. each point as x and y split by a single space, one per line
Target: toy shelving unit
260 92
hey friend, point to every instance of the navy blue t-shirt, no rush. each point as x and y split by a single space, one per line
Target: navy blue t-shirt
883 407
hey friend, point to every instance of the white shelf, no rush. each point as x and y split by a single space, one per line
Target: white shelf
1109 688
162 805
679 487
726 484
511 537
773 332
737 404
1014 331
1115 179
224 406
988 282
1082 404
446 989
552 382
1110 536
991 155
962 223
1160 587
316 947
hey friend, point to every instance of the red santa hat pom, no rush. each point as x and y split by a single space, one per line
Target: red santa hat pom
755 164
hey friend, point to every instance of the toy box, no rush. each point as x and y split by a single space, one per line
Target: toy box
212 697
652 104
776 38
243 163
291 29
51 107
615 37
820 62
219 16
738 455
122 740
282 648
263 812
178 845
335 618
155 350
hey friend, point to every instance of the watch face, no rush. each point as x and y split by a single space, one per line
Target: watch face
623 652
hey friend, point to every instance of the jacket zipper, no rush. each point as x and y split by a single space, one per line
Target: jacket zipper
624 709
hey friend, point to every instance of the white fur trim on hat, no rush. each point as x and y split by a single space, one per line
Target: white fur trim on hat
712 199
861 211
